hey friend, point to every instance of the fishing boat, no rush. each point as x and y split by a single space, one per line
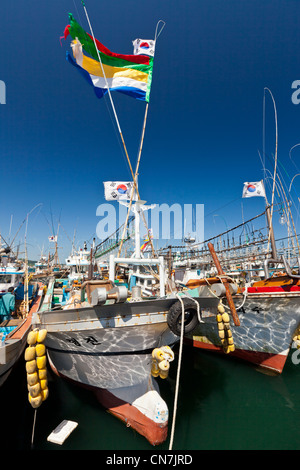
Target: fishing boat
105 337
78 262
14 331
265 292
269 313
105 341
41 265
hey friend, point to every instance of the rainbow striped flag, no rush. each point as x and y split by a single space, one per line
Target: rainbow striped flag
129 74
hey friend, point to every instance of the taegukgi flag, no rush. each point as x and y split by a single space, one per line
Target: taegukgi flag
52 238
254 189
118 190
143 47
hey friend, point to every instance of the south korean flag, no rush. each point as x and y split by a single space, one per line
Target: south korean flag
143 47
118 190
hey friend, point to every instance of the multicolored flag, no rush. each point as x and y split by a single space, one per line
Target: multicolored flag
146 243
129 74
254 189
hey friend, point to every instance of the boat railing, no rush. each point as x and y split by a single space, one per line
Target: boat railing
286 265
160 262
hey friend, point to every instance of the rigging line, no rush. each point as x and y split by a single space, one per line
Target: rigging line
276 146
110 97
222 207
280 179
263 136
77 13
296 145
279 173
104 97
156 36
282 195
40 204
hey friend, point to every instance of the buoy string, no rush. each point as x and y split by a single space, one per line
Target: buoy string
33 428
178 374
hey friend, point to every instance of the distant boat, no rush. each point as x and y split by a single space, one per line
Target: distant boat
78 262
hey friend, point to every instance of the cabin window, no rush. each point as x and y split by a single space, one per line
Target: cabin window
5 279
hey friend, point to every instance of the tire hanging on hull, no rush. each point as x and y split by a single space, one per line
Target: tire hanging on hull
190 316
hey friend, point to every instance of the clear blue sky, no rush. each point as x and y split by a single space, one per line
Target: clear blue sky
204 130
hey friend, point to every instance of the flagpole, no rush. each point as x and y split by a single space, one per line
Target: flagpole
118 124
110 97
116 117
136 172
139 159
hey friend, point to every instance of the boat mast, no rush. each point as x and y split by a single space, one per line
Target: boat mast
115 114
268 207
271 231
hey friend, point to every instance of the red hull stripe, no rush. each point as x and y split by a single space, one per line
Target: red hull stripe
274 289
274 362
155 433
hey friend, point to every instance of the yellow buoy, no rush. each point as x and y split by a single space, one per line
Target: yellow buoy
35 356
163 374
32 379
41 362
222 334
31 366
225 317
42 373
44 393
168 351
219 317
158 354
40 350
34 390
154 369
44 384
221 308
35 401
164 365
31 338
41 335
29 353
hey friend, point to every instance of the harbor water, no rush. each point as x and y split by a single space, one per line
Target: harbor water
223 404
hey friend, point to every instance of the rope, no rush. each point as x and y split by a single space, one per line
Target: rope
198 306
245 293
33 428
178 373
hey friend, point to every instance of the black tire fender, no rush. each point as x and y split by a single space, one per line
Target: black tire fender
190 316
